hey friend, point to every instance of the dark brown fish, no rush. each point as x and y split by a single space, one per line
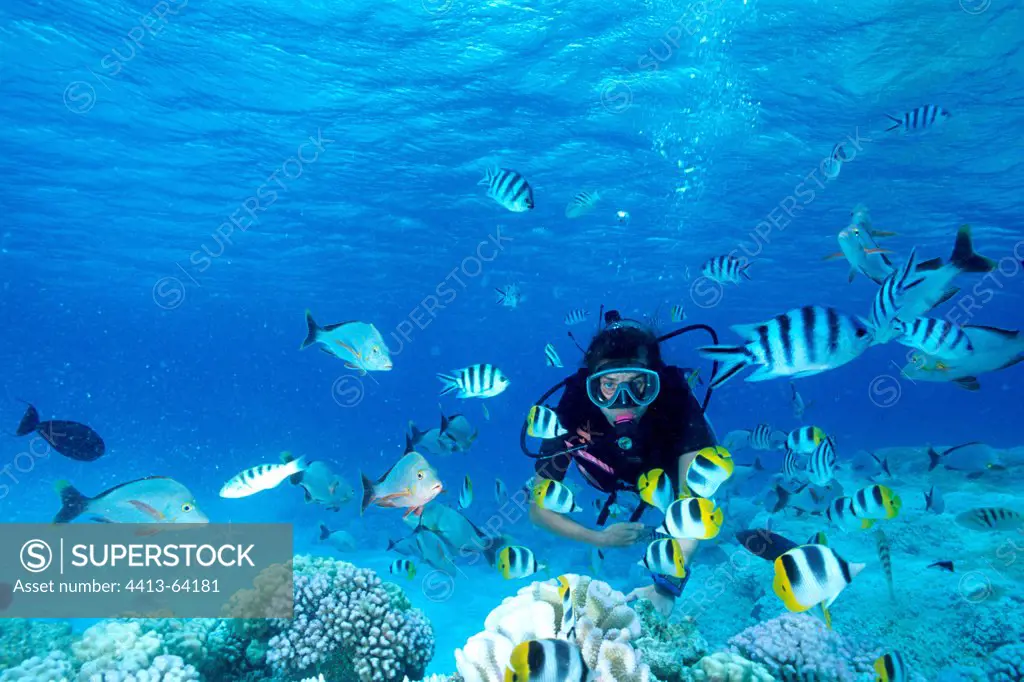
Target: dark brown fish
71 439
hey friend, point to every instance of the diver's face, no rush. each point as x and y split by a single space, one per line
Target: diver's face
610 383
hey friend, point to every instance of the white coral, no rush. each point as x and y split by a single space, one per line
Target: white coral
605 627
111 651
728 667
55 667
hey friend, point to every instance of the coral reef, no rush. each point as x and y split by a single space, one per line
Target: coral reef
1007 664
799 647
113 651
727 667
605 628
668 645
54 667
22 638
348 626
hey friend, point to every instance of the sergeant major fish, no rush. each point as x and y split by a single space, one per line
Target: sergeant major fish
582 204
154 499
798 343
821 465
938 338
509 189
260 478
993 349
359 344
475 381
725 270
918 120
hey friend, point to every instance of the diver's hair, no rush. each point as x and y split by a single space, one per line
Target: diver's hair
624 343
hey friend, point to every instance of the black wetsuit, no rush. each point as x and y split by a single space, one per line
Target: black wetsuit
672 425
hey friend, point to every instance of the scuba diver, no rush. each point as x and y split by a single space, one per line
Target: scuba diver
630 413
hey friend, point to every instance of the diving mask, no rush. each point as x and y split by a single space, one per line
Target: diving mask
623 387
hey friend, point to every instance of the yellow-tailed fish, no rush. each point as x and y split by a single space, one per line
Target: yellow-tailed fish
568 628
655 489
665 557
805 439
403 567
547 660
841 514
410 483
709 469
359 344
466 494
516 561
555 496
874 503
260 478
694 518
892 667
809 575
820 538
542 422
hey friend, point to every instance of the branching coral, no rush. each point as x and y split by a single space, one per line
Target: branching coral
668 646
800 647
605 629
348 627
728 667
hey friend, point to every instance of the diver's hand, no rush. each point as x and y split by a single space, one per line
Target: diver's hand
662 603
620 535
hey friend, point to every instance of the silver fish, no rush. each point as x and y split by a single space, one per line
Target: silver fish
155 499
359 344
260 478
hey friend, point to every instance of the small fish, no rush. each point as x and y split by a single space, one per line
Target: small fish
793 466
155 499
725 270
517 561
320 484
677 313
974 458
542 422
798 343
260 478
692 378
576 316
410 483
764 544
943 565
551 358
510 297
555 497
433 549
582 204
892 667
475 381
885 557
708 470
805 439
694 518
655 488
568 625
406 546
509 189
764 437
863 254
359 344
797 402
833 164
403 567
487 413
466 494
994 349
340 540
918 120
71 439
938 338
547 660
500 492
840 513
874 503
883 464
933 501
990 518
821 466
810 575
665 557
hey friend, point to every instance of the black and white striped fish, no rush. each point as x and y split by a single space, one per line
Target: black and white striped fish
547 660
810 575
805 439
892 667
568 625
582 204
918 120
677 313
725 269
576 316
938 338
890 298
475 381
516 561
990 518
841 514
764 437
798 343
793 465
551 356
510 297
509 188
665 557
260 478
466 494
821 465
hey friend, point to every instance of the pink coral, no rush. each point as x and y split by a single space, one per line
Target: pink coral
800 647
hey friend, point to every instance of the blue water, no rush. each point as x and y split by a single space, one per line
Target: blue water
133 303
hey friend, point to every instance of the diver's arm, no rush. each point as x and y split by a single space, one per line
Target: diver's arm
562 526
